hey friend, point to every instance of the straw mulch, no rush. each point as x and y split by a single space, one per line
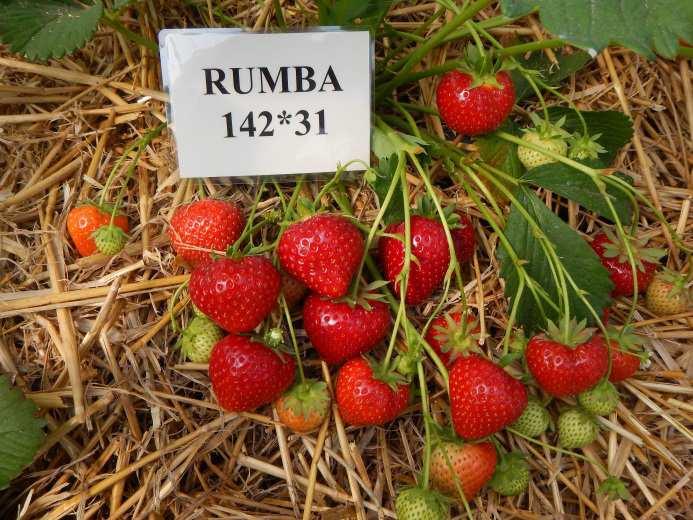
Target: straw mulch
134 431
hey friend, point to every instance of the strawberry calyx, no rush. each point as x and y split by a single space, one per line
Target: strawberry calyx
385 374
678 281
307 398
458 338
406 362
483 66
273 338
426 208
511 471
615 248
571 336
627 341
584 146
614 488
546 130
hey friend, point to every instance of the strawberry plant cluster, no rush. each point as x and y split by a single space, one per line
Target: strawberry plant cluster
324 314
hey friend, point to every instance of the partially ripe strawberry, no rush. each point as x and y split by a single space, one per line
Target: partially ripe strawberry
198 339
339 330
614 257
204 226
246 374
512 475
304 407
626 352
421 504
471 465
463 239
85 219
450 338
564 369
668 294
534 419
110 239
484 398
323 251
429 247
576 429
236 293
602 399
367 398
471 104
531 158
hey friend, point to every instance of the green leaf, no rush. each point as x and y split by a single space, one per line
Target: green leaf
573 252
500 153
384 144
42 29
616 128
380 179
551 74
21 432
349 12
578 186
645 27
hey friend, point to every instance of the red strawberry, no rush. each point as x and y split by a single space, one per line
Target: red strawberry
615 258
484 398
626 353
449 338
85 219
340 331
237 294
323 251
470 465
365 398
429 246
474 105
246 374
567 369
463 239
293 290
204 226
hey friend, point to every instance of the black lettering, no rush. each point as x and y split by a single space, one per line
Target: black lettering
282 73
236 72
332 77
211 83
302 78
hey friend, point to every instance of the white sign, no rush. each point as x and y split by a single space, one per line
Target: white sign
246 103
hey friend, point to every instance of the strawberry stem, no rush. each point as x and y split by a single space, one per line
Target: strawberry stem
292 334
427 427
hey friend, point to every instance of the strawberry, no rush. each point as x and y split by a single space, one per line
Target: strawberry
549 136
304 407
534 419
511 477
463 239
85 219
198 339
246 374
576 428
449 338
626 354
339 330
236 293
110 239
421 504
484 398
570 365
204 226
471 104
368 397
470 466
602 399
668 294
429 246
293 290
323 251
614 257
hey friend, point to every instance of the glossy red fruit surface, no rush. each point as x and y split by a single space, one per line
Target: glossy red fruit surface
623 363
463 239
246 374
84 220
339 331
620 270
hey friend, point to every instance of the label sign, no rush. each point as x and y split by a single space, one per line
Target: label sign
246 104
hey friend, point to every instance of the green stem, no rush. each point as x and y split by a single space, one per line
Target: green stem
297 353
423 387
130 35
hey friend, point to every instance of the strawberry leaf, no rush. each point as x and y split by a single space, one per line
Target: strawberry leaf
21 432
42 29
616 128
353 12
645 27
550 73
577 186
379 179
574 253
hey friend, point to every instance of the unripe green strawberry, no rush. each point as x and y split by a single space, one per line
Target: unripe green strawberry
602 399
534 420
110 239
198 339
511 476
576 428
421 504
532 158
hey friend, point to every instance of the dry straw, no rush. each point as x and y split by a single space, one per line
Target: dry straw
133 431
